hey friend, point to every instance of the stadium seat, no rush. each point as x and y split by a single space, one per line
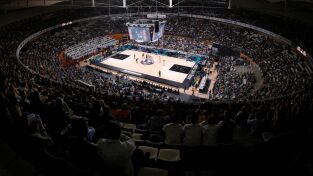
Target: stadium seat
154 144
143 132
127 133
151 150
169 146
128 126
149 171
140 131
137 137
130 131
170 159
169 155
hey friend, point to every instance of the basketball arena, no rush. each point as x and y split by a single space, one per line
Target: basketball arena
161 87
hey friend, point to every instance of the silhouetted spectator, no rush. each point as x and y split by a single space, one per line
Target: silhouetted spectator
226 131
192 132
82 153
173 131
116 150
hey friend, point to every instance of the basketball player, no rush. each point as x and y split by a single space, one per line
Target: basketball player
159 59
163 62
159 73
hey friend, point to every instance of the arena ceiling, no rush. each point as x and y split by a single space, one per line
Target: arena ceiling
12 4
295 9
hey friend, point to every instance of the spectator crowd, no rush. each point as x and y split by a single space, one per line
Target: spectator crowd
56 116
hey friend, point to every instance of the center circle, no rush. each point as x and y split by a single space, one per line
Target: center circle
147 61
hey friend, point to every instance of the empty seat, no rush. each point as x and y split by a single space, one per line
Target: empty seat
127 133
170 159
137 136
151 150
129 126
170 155
149 171
155 144
128 130
141 131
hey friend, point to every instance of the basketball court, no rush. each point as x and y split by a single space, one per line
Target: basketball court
163 69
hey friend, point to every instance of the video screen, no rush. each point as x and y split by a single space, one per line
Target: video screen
140 34
146 32
158 35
